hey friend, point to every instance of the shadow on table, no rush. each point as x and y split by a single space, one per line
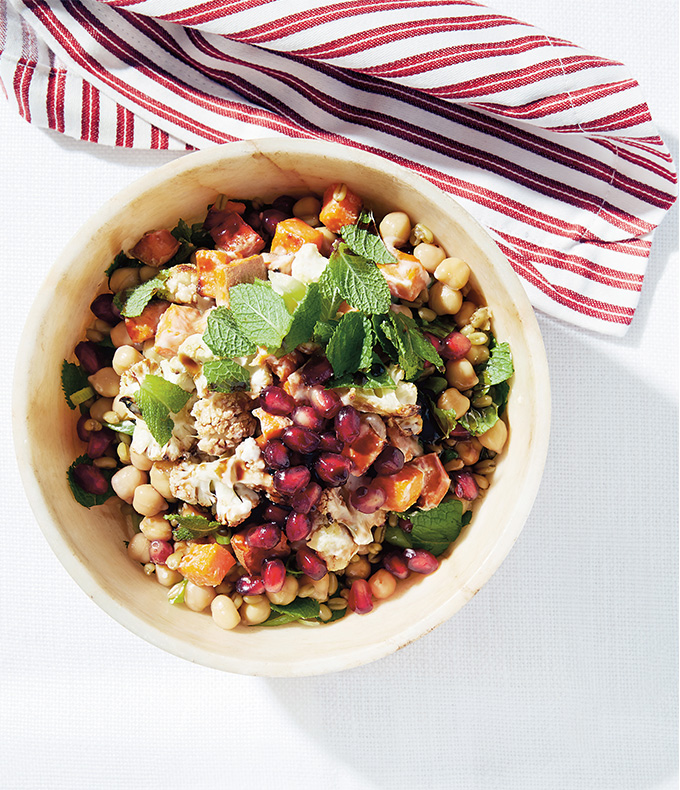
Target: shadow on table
562 671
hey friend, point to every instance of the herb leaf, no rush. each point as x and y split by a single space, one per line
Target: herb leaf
136 299
300 609
305 318
435 530
223 337
446 418
176 592
81 496
191 526
478 421
225 375
122 260
351 346
73 379
260 313
157 399
359 281
363 238
499 366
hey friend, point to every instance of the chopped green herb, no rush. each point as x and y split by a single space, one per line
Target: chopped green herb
260 313
224 375
73 380
478 421
157 399
499 366
136 299
223 337
364 239
350 349
359 281
120 261
176 592
305 318
300 609
192 526
190 238
126 426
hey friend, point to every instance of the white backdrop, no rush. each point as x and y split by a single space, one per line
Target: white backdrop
560 673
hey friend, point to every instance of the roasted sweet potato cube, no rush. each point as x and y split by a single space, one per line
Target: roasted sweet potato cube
217 273
156 248
272 425
406 278
437 480
365 448
402 489
206 564
340 207
292 233
236 237
176 324
143 327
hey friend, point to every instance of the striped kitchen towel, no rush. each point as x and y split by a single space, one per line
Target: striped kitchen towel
552 149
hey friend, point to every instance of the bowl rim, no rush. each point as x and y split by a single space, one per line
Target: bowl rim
78 570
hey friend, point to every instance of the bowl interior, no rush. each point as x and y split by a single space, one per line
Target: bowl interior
90 542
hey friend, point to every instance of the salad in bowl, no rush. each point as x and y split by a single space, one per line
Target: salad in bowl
297 402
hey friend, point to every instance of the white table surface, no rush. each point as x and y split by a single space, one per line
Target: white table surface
560 673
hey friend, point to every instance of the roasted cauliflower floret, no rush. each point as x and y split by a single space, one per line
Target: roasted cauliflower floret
333 542
182 285
223 421
400 401
333 507
208 484
402 433
182 441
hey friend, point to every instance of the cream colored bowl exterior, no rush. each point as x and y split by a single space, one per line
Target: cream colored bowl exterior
89 543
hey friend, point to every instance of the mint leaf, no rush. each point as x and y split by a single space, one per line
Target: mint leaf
82 497
499 366
478 421
126 426
176 592
301 608
323 331
359 281
225 375
364 239
157 398
441 326
305 318
136 299
223 337
73 379
120 261
408 361
397 537
192 526
412 346
260 313
351 346
331 298
434 530
446 418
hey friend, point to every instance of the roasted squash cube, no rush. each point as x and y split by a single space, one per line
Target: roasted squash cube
402 489
437 480
340 207
292 233
235 237
217 272
206 564
143 327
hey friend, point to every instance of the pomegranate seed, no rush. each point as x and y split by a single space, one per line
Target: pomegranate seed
89 357
347 424
290 481
302 440
360 598
317 370
104 308
330 443
420 561
83 433
99 442
159 551
298 527
276 400
436 342
332 468
390 461
466 486
252 217
90 479
285 203
306 417
276 454
309 562
276 514
273 575
326 402
307 499
270 219
263 536
405 525
396 565
250 585
367 499
454 346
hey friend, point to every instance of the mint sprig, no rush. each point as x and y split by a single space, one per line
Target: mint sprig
433 530
223 337
363 238
136 299
305 318
225 375
299 609
73 379
157 399
351 346
260 313
359 281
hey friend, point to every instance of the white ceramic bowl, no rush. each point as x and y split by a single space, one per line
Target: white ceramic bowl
89 543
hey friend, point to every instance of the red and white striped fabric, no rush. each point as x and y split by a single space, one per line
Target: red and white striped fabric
552 149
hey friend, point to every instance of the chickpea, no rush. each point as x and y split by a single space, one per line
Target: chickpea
147 501
444 300
460 374
138 548
382 584
328 238
494 439
453 272
126 481
314 588
160 478
468 451
123 278
429 255
124 358
361 569
287 594
224 612
147 273
198 598
166 576
255 612
477 355
395 228
452 399
465 313
400 308
106 382
156 528
307 209
140 461
99 409
119 335
149 350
